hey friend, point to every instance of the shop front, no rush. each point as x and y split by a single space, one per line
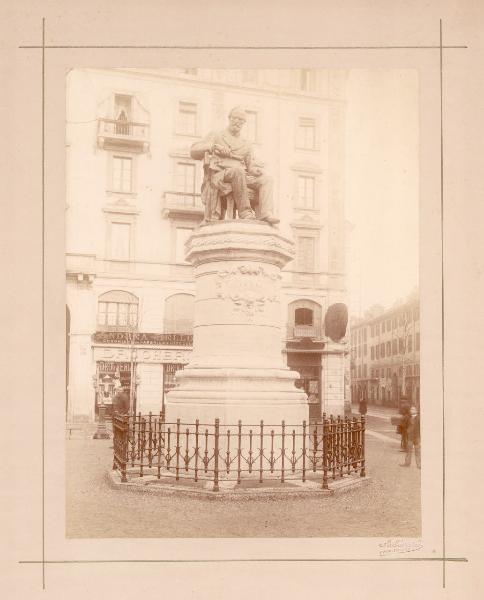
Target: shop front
305 357
144 370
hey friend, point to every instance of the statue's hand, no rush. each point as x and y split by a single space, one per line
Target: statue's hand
221 150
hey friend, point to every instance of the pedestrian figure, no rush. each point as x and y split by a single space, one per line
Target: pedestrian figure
411 425
121 402
363 406
402 430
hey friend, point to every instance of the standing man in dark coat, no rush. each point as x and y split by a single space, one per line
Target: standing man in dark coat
411 424
363 408
121 402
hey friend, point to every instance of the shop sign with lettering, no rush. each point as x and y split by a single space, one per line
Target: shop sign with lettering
142 355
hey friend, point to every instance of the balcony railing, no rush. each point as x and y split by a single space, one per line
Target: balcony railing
117 134
176 203
304 331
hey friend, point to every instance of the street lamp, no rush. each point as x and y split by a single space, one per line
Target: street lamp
101 432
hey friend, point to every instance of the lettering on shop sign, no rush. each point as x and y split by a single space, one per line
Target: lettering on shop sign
148 355
142 339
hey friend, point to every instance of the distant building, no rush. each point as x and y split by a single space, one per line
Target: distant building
385 355
133 198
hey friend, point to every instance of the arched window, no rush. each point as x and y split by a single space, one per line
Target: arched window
303 316
117 311
304 319
179 310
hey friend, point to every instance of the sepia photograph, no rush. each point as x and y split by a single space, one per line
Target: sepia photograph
243 277
242 303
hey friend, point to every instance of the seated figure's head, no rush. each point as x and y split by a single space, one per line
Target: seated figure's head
237 118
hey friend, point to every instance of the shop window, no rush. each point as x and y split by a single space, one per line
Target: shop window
117 311
179 312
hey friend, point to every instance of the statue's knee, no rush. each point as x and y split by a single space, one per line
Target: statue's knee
234 174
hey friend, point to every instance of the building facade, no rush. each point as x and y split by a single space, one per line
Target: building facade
133 198
385 356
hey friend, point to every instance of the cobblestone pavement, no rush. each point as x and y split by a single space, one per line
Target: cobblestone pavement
388 506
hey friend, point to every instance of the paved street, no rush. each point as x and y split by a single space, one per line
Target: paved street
388 506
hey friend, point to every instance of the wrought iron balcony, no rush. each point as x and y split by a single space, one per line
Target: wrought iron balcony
182 204
123 135
304 331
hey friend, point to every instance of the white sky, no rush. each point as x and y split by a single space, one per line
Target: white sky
382 186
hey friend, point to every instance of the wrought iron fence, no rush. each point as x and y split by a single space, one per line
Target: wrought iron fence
322 451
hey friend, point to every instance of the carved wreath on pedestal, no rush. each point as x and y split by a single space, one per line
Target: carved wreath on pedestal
249 288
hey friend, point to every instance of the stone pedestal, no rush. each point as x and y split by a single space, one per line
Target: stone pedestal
236 371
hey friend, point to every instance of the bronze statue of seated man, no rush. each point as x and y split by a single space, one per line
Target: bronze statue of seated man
230 169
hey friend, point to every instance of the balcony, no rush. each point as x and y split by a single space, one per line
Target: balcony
295 332
123 135
183 204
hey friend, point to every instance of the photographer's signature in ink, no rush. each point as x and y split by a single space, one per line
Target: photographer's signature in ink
396 546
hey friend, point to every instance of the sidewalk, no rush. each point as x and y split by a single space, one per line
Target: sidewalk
381 412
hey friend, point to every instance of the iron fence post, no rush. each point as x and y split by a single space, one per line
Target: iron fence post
216 451
325 453
362 433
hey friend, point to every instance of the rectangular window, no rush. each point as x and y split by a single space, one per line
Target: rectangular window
372 353
400 345
365 372
382 350
305 191
250 129
102 314
305 254
133 314
394 323
372 331
394 347
377 352
112 313
409 343
187 118
120 241
377 329
122 174
417 341
365 350
389 325
122 314
383 326
364 334
182 235
306 133
359 371
389 373
185 178
389 348
377 373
